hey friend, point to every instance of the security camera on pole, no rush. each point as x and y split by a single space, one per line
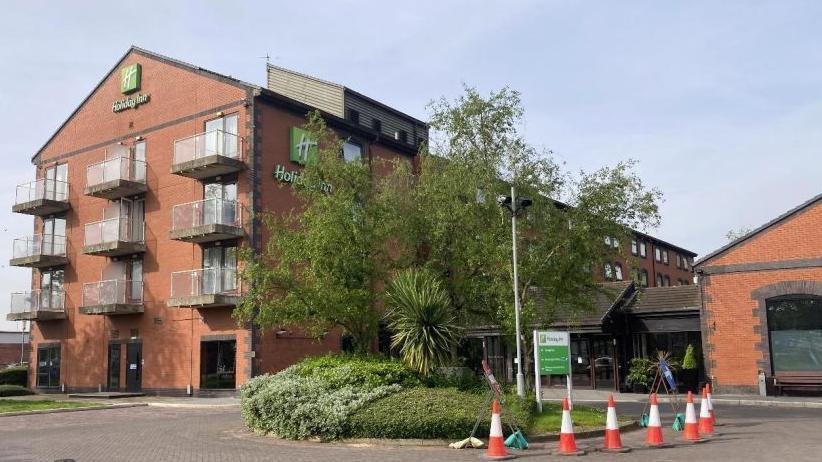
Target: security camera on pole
514 205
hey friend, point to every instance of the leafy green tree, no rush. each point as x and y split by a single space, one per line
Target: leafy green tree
419 315
323 264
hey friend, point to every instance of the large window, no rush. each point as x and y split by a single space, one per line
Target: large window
795 331
218 361
351 151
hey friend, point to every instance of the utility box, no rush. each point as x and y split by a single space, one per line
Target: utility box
763 384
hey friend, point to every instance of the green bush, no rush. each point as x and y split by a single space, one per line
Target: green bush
689 360
641 372
470 382
14 376
431 413
357 371
14 390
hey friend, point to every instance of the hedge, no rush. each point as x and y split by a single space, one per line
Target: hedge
14 376
14 390
358 371
432 413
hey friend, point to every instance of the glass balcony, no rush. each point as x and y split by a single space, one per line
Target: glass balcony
37 305
204 288
112 297
39 251
42 197
208 154
116 177
114 237
207 220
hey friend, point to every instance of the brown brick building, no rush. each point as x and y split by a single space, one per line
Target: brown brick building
762 305
141 199
651 262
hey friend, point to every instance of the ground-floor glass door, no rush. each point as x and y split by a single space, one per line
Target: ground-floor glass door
48 365
218 364
134 362
114 367
580 362
603 353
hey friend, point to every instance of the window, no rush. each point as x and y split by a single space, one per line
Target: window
351 151
608 241
643 250
794 328
614 243
608 272
666 281
657 254
51 289
659 279
354 116
48 365
634 247
665 256
56 184
617 271
643 278
221 136
686 263
220 204
219 269
401 136
218 364
376 124
54 236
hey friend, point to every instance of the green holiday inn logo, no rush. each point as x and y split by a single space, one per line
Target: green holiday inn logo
130 78
303 146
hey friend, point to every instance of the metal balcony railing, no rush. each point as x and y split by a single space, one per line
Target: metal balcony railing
51 300
206 281
206 212
114 229
50 189
211 143
118 168
39 244
113 291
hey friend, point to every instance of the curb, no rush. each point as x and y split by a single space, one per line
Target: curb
549 437
726 401
190 406
72 409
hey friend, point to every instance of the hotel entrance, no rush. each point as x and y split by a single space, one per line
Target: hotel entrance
593 363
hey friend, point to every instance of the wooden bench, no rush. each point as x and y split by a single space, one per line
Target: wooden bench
803 380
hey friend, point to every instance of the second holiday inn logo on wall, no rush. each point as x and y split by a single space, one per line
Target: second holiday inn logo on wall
130 80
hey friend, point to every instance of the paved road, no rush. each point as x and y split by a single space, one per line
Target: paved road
165 434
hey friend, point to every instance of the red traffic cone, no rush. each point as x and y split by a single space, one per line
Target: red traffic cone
567 442
613 442
496 444
653 438
711 404
691 425
706 424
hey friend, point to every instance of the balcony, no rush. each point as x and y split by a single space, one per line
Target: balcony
204 288
42 197
115 178
39 251
114 237
37 305
207 220
207 155
112 297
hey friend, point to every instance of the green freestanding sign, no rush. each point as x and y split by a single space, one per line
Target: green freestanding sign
554 351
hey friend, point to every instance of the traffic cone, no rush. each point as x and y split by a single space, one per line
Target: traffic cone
711 404
706 425
496 444
567 442
613 442
691 425
653 438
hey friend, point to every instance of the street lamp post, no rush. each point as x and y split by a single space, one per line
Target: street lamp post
514 206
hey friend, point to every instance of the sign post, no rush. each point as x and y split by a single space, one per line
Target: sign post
552 355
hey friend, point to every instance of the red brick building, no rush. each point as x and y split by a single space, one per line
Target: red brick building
14 347
762 305
141 200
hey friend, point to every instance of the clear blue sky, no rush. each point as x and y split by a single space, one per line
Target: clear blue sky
721 102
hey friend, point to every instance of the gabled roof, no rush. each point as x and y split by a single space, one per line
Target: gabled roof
655 299
156 56
612 296
757 231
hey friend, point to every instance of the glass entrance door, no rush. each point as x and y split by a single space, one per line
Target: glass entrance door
580 362
603 352
114 367
48 366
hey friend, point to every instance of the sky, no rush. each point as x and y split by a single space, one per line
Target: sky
719 102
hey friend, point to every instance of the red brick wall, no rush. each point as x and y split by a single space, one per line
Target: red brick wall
10 353
734 323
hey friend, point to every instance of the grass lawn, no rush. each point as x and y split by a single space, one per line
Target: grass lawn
13 405
585 418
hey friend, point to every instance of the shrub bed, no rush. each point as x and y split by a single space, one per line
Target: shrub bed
14 376
14 390
431 413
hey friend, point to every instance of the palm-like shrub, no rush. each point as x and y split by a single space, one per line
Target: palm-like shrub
420 316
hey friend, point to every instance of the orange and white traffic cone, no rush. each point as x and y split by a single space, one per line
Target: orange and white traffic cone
613 442
706 424
711 404
653 439
496 443
567 442
691 425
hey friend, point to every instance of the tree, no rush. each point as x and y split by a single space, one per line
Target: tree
735 234
464 237
419 314
323 264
